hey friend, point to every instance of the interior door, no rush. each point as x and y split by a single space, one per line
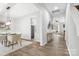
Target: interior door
32 31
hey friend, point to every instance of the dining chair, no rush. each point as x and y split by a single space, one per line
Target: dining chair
14 38
2 39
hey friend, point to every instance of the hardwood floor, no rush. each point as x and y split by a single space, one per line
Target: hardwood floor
56 47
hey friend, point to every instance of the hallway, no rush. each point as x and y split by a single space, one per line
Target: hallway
56 47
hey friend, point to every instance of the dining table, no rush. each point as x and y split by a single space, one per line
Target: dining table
5 34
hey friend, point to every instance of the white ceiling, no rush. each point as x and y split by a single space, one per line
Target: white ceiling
75 3
51 6
17 9
2 5
21 9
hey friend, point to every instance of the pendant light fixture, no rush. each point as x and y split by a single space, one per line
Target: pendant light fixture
8 17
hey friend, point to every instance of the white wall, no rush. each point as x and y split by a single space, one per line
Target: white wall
45 18
23 25
70 34
75 16
2 18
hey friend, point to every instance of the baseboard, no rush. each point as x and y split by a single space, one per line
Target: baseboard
68 48
69 51
43 44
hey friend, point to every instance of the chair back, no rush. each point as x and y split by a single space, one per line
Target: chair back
14 37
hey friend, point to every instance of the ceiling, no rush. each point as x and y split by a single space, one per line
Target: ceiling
55 9
75 4
2 5
21 9
61 8
17 9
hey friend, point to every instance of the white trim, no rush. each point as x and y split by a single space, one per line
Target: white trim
42 44
68 48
